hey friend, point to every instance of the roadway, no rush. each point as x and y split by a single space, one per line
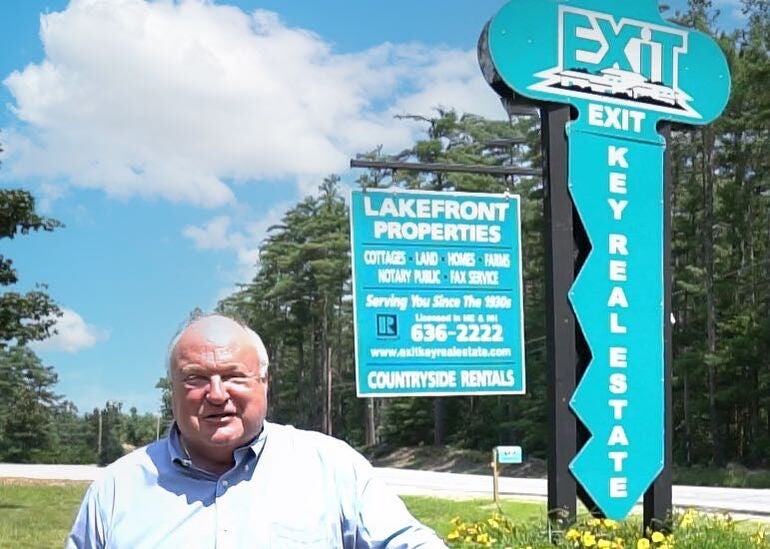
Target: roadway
739 502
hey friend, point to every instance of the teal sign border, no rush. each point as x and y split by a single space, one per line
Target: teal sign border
437 293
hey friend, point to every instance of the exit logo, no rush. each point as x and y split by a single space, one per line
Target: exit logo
609 53
623 61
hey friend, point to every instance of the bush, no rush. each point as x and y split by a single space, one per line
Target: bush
688 530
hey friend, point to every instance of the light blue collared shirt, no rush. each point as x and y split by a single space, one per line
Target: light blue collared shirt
288 488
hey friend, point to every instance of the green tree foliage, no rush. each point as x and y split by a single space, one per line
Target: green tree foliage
296 303
109 425
25 316
721 261
139 429
27 405
166 411
37 426
74 437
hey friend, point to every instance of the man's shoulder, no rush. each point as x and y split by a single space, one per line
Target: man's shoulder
306 437
144 460
308 442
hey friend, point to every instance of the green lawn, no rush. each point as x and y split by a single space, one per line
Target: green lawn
733 476
37 515
40 515
438 513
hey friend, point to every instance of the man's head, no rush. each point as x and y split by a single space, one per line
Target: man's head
218 373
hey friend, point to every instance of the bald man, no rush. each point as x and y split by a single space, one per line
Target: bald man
226 478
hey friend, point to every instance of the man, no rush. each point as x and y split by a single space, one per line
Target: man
226 478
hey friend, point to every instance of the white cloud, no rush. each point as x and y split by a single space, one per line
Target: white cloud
453 79
178 99
73 334
241 238
213 235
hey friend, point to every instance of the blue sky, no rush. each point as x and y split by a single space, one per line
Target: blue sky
167 136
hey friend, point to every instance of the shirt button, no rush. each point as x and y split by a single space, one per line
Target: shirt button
224 483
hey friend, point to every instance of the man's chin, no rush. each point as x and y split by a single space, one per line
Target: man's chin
226 434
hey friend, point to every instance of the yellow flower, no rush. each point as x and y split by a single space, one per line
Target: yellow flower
610 524
658 537
643 543
604 544
588 539
688 518
594 522
454 534
759 537
572 534
493 523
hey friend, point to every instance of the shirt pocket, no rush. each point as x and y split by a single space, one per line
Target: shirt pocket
284 536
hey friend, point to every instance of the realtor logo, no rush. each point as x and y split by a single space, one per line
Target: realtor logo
614 55
624 61
387 325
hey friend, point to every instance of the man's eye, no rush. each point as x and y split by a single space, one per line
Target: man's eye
195 379
236 378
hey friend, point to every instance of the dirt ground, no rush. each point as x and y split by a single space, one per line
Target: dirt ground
16 481
450 460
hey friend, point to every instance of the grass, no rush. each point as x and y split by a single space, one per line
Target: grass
688 530
731 476
438 513
37 515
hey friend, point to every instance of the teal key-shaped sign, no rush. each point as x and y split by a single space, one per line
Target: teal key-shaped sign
623 69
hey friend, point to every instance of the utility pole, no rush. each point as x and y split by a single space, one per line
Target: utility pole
99 434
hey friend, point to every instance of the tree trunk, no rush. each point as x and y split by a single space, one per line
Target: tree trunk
328 401
370 430
707 178
687 427
439 421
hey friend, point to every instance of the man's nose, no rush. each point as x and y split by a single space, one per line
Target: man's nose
217 393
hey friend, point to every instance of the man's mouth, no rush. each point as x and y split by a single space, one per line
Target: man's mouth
219 416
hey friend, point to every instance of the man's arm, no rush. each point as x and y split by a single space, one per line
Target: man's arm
88 531
383 520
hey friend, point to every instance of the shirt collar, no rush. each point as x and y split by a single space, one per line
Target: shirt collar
178 454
